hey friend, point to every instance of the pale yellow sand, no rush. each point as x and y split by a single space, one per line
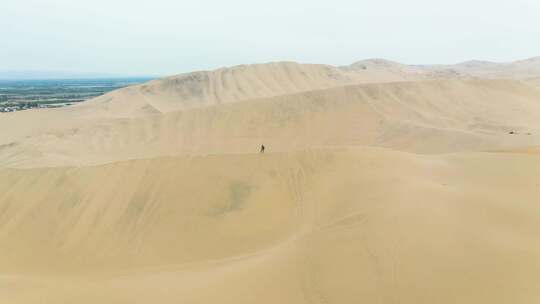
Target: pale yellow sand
370 190
422 117
335 226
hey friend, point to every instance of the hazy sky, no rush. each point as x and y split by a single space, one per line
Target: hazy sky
162 37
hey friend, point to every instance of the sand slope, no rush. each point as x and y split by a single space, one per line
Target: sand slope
421 117
381 183
192 90
321 226
248 82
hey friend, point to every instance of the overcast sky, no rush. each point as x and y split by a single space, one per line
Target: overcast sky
161 37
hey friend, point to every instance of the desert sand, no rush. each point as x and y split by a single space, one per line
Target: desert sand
381 183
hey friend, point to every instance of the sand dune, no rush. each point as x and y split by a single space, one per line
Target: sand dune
421 117
190 90
245 82
521 69
249 82
381 183
337 226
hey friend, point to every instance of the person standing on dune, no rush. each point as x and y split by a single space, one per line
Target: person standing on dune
262 148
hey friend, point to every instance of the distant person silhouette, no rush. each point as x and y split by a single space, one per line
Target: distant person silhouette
262 148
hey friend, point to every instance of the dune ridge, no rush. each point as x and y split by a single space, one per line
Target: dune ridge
422 117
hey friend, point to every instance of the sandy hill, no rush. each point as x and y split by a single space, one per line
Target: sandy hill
191 90
320 226
245 82
521 69
381 183
421 117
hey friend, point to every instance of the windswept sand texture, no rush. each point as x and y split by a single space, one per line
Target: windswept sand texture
381 183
